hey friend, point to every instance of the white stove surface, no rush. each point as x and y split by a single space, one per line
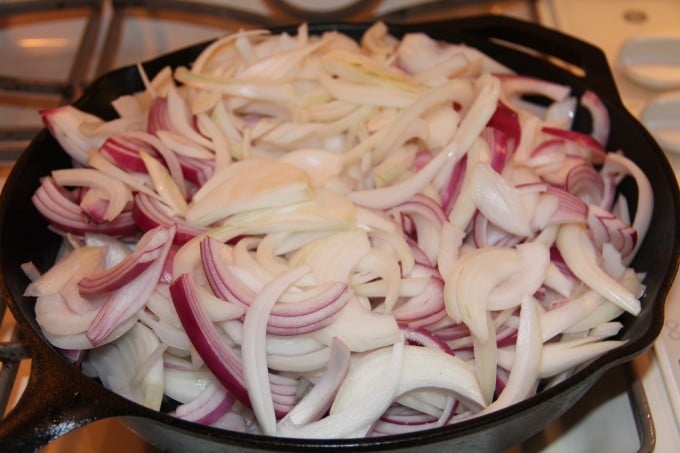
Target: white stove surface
604 419
609 24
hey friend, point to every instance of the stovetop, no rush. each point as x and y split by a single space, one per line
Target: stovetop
78 40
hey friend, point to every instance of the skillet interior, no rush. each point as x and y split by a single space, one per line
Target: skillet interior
24 237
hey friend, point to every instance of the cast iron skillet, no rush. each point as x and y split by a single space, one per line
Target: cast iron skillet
59 398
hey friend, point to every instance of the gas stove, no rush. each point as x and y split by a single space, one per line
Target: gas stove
630 409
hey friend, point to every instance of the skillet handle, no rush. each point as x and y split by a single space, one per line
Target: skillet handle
57 400
552 43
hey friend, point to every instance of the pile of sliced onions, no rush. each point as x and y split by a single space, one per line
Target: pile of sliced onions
312 237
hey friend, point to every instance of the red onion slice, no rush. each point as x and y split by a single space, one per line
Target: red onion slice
149 213
295 318
506 120
607 228
224 283
210 405
67 217
124 152
196 171
217 355
116 193
126 301
254 351
393 422
204 336
149 249
601 124
317 402
424 337
429 302
591 148
586 183
453 187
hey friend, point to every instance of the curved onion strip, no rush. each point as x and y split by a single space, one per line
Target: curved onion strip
645 199
391 424
561 318
315 403
183 146
96 160
474 276
124 152
428 302
126 301
221 279
170 158
65 216
593 149
149 213
150 248
210 405
370 401
132 365
419 370
506 120
606 228
586 183
386 197
294 318
217 355
425 338
196 171
80 260
524 372
253 350
600 116
499 201
118 193
64 123
579 253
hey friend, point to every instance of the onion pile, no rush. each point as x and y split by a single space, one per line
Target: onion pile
308 236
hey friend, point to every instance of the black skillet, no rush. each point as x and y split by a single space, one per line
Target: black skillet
59 398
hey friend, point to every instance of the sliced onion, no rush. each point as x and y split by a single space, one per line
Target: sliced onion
499 201
600 116
525 368
580 255
124 303
360 406
429 302
586 183
425 338
149 213
506 120
68 124
66 216
317 401
124 152
295 318
592 149
119 364
217 355
118 194
197 171
607 228
210 405
616 163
